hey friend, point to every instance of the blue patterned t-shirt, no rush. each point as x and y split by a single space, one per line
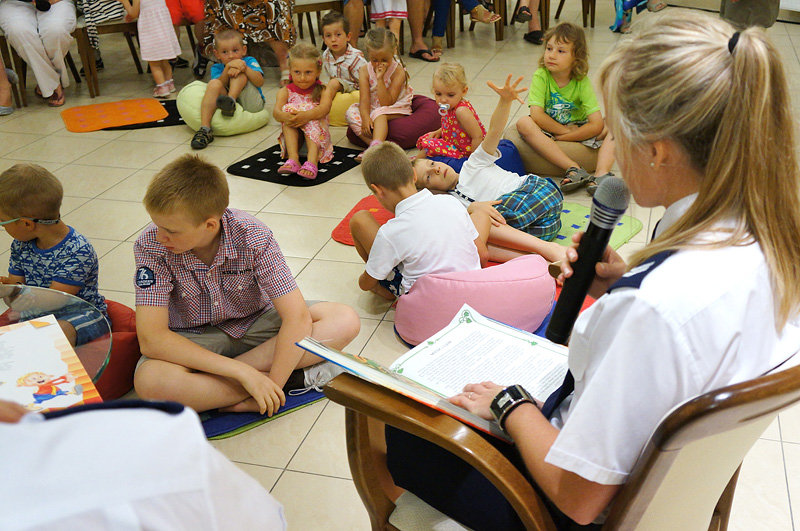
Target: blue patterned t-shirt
72 261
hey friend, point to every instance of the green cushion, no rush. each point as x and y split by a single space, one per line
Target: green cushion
191 96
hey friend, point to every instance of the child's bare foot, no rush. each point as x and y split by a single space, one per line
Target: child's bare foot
383 292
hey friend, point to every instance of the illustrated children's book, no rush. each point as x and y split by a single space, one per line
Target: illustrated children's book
39 369
471 349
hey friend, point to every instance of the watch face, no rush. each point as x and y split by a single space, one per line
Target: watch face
503 400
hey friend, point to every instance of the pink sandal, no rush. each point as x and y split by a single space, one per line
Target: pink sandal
308 171
289 167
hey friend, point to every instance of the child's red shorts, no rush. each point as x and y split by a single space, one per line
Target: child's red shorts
191 11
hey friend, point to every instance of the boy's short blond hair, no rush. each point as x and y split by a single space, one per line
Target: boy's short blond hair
226 35
189 184
451 74
387 165
28 190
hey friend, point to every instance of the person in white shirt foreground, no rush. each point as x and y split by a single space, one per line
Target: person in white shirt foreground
122 465
700 116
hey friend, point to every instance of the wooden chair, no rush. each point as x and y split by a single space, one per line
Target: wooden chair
5 52
500 8
544 13
307 7
450 31
588 10
684 479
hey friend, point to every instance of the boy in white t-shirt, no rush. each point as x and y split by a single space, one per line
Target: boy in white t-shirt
429 233
529 203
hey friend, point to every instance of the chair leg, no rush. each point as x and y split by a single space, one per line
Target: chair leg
134 54
511 20
190 33
300 25
451 26
72 68
585 12
15 91
21 69
86 53
311 29
593 6
544 10
499 6
558 11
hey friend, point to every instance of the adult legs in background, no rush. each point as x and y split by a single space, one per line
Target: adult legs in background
42 39
417 9
354 13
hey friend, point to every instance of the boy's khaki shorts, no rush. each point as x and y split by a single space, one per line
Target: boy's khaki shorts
265 327
250 99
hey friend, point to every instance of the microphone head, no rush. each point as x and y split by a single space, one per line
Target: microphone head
610 202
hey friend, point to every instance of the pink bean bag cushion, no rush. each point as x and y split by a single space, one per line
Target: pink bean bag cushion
406 130
519 293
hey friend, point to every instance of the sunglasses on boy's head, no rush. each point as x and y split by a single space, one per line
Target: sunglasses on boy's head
35 220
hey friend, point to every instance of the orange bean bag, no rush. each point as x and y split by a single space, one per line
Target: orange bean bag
117 378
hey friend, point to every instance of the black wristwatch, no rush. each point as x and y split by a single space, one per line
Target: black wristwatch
507 401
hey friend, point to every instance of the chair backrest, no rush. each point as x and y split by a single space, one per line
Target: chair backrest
696 451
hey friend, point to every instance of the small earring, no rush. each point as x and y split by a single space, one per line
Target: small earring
652 164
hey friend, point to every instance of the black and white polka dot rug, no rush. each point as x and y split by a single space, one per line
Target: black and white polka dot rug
264 166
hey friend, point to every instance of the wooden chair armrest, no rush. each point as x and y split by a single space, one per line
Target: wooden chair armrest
363 399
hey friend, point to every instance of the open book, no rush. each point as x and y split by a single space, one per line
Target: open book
39 369
471 349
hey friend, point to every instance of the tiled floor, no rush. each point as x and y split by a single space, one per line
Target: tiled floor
301 458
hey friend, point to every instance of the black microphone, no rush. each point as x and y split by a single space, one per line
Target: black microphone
609 204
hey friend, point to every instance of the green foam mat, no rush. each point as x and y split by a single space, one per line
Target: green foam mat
575 217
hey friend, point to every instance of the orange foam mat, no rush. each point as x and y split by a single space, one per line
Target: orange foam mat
341 233
98 116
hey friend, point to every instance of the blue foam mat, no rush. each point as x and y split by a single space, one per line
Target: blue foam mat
224 425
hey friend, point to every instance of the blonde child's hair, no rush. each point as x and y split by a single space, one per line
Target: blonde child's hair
21 379
569 33
189 184
387 165
451 74
307 52
28 190
729 110
226 35
384 39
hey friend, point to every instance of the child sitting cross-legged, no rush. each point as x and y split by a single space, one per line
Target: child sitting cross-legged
48 253
429 233
525 210
237 77
217 309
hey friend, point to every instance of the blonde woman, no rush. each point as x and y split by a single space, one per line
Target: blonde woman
712 300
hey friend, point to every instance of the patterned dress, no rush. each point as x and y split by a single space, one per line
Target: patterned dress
455 142
157 40
257 20
315 130
401 106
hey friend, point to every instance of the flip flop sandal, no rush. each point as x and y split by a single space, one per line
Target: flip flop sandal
523 14
483 15
420 54
289 167
594 182
56 100
576 178
308 171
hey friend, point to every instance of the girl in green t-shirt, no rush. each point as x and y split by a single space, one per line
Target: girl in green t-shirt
563 107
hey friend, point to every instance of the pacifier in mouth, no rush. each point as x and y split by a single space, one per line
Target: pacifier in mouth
443 108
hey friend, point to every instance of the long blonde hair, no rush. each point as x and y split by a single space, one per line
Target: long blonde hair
729 110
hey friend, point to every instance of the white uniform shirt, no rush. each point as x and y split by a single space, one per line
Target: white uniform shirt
124 469
481 179
429 234
701 320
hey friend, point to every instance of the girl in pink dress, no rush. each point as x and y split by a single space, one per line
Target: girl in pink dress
462 130
157 40
384 89
296 107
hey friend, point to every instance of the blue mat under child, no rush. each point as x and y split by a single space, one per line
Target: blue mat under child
224 425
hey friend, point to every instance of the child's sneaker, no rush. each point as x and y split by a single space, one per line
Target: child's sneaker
316 376
202 138
226 105
171 86
161 91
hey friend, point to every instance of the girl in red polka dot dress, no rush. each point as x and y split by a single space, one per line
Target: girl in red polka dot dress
462 130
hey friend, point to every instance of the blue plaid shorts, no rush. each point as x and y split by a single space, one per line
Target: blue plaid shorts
534 207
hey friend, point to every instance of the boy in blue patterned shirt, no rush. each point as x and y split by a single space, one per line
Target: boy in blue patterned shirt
48 253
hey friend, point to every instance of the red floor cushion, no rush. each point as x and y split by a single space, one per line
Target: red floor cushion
117 378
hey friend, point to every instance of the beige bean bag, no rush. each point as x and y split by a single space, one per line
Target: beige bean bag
535 163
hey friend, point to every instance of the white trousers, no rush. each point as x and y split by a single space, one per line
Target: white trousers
41 38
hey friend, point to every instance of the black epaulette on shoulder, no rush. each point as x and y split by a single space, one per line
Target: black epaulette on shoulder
634 277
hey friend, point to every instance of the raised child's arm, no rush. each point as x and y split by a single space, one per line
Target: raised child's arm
508 93
280 100
470 124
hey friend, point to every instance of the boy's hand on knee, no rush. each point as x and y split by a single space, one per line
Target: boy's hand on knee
487 207
268 395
